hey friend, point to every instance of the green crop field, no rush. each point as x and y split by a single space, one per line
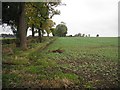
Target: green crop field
85 62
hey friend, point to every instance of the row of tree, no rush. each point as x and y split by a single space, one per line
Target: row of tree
21 15
60 30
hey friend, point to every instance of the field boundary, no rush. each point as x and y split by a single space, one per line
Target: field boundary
48 43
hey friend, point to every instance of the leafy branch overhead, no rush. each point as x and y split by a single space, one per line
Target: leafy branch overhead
40 15
40 12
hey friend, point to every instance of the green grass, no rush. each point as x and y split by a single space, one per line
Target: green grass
85 63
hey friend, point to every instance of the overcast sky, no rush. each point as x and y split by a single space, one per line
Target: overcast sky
90 17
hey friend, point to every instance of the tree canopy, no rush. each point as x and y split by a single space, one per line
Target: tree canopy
61 30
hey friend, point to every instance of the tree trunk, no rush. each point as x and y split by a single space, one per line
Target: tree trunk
26 28
40 35
47 34
22 27
33 33
17 34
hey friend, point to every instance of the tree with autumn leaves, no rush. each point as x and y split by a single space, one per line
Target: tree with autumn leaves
30 14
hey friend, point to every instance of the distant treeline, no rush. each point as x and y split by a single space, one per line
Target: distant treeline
81 35
7 36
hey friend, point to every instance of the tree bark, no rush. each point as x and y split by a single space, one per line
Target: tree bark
33 33
40 35
17 34
22 27
47 34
